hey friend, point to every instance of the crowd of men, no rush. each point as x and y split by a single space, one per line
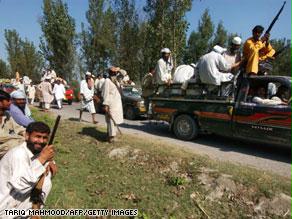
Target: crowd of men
24 153
215 69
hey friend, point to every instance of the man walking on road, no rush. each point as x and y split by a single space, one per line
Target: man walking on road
87 94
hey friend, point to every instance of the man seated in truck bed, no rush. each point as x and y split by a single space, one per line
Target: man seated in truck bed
261 98
212 66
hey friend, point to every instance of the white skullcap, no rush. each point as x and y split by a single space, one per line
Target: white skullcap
88 73
219 49
123 72
18 94
165 50
236 41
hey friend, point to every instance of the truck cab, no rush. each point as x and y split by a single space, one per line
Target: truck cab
196 110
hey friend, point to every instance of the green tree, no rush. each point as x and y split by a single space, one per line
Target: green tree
128 46
4 69
23 57
167 28
200 42
98 42
282 62
220 37
57 41
32 61
14 50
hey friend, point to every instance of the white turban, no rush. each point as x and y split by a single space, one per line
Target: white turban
18 94
165 50
219 49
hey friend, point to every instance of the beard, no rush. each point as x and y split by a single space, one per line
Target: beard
35 147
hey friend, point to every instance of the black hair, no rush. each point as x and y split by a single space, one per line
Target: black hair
4 95
38 127
151 68
258 29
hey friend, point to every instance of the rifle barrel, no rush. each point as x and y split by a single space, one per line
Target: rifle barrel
275 19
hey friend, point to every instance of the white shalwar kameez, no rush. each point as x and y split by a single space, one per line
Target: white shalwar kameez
59 92
112 99
163 71
183 73
210 67
87 101
20 171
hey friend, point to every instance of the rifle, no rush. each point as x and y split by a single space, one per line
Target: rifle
37 190
281 50
275 19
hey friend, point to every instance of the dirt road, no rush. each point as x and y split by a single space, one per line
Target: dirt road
263 157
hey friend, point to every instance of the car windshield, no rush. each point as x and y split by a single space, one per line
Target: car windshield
134 92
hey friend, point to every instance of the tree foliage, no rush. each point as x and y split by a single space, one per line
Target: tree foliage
200 41
4 69
220 37
23 56
98 41
57 41
282 62
128 42
167 28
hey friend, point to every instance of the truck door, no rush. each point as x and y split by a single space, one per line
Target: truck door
216 117
265 123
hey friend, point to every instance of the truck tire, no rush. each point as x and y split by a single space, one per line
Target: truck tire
185 127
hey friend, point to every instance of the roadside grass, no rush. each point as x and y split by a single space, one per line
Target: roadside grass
158 179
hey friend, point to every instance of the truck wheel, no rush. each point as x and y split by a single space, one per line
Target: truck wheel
185 127
130 113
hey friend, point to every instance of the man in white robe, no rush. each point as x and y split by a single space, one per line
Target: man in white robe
22 167
112 104
59 92
163 67
31 93
87 95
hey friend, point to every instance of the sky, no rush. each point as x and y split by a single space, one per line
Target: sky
238 16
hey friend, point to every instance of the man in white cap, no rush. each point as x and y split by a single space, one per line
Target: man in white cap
163 67
18 109
87 95
233 55
212 66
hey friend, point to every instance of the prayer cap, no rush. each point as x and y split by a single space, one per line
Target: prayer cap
236 41
18 94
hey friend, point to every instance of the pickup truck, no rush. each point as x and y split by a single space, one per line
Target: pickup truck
198 111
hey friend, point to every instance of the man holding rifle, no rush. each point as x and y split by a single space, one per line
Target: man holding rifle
111 94
22 167
257 49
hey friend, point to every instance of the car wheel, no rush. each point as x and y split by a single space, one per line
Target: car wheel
130 113
185 127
